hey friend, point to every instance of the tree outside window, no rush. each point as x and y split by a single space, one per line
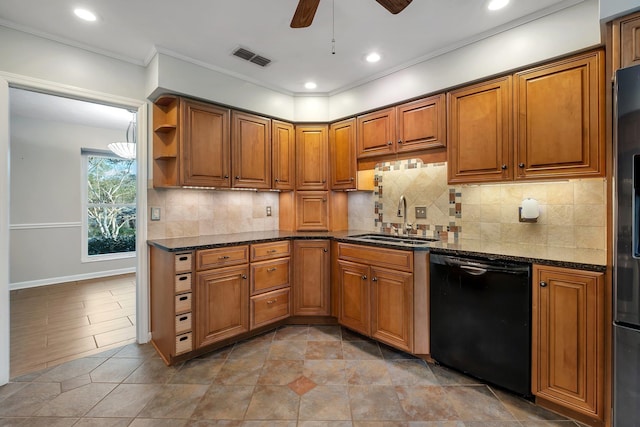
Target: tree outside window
110 205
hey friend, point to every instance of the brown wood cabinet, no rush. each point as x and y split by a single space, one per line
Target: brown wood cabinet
568 339
205 145
312 210
166 141
480 132
283 144
412 126
626 41
222 304
312 157
342 155
559 126
374 299
270 283
250 151
311 278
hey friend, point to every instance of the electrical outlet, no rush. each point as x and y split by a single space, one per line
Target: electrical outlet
268 210
155 214
421 212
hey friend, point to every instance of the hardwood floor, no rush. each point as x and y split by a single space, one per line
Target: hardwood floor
57 323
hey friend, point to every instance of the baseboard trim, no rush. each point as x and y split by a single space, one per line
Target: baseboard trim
74 278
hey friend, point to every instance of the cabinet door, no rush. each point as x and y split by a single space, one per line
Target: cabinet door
342 155
479 132
283 165
376 133
568 338
250 150
222 304
311 280
559 110
422 124
354 296
205 145
312 211
312 158
626 38
392 307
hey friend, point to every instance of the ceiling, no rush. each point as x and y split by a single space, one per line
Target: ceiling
207 31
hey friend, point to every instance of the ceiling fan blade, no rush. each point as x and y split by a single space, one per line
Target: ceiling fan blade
305 12
394 6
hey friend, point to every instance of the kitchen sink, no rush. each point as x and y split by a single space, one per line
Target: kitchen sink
387 238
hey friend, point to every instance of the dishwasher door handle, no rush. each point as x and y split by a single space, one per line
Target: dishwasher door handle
474 271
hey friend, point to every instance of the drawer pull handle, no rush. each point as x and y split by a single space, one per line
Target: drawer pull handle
272 251
184 298
224 257
271 301
183 258
183 318
183 338
269 270
183 278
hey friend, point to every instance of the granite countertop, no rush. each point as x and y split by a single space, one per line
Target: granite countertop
585 259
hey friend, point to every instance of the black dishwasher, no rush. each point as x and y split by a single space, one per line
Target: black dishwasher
480 313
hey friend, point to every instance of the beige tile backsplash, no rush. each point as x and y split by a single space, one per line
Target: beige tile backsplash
191 212
572 213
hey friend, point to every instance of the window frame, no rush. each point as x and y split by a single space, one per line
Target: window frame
84 193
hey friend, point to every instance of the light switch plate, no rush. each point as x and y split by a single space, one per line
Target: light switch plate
421 212
155 214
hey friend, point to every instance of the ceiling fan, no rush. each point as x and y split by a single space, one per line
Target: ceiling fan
306 10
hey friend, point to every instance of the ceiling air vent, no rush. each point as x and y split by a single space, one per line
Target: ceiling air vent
247 55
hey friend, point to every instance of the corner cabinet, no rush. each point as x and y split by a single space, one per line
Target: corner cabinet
568 339
250 151
312 157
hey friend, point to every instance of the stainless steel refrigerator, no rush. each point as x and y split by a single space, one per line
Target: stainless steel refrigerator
626 211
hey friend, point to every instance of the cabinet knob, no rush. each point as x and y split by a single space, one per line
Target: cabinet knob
504 167
237 177
226 177
389 143
521 165
277 179
543 284
244 276
364 277
375 279
324 181
351 179
325 250
399 141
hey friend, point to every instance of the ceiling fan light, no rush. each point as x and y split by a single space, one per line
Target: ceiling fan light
373 57
497 4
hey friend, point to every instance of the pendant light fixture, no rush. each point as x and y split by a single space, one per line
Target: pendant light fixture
127 150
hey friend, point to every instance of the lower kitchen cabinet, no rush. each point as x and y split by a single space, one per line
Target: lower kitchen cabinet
568 339
269 307
354 296
312 281
222 309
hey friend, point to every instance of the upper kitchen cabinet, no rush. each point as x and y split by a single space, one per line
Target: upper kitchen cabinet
251 151
413 126
479 131
626 41
342 155
205 145
559 126
283 163
312 157
166 141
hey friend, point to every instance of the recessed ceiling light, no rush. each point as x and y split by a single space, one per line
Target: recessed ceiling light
84 14
497 4
310 85
373 57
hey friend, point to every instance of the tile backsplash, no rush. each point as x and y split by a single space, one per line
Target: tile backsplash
572 212
191 212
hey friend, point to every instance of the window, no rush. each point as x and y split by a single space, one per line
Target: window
109 206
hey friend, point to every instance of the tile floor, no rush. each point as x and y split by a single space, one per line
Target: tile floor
311 376
53 324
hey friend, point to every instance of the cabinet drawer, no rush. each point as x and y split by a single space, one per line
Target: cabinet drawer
183 262
269 275
183 283
222 257
183 302
381 257
184 343
269 307
264 251
183 323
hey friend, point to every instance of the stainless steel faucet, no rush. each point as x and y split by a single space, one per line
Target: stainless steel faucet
402 212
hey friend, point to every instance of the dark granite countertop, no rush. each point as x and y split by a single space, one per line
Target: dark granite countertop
584 259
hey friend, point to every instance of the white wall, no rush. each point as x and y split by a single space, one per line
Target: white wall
611 9
45 187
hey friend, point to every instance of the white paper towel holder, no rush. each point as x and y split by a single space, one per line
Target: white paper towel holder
531 211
